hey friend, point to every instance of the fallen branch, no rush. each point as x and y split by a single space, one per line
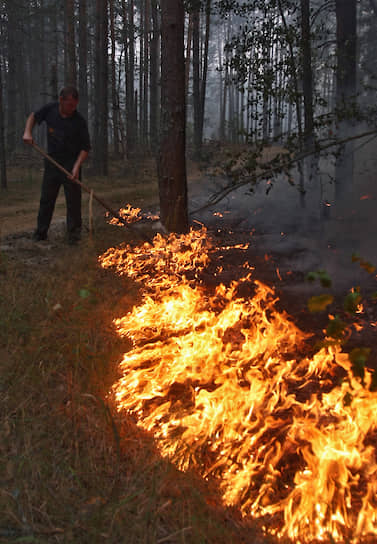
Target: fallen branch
217 197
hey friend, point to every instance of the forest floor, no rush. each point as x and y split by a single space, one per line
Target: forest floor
71 469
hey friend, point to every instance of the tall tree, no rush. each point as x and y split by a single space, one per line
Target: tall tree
154 59
114 92
145 71
100 139
172 160
200 68
12 76
3 168
70 70
346 39
196 74
129 46
203 89
307 79
83 57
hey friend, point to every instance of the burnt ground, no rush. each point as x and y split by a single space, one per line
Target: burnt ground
286 243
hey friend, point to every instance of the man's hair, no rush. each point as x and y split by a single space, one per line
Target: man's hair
69 90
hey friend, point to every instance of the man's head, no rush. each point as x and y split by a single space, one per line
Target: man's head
68 100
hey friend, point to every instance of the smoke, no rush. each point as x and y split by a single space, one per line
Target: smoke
314 232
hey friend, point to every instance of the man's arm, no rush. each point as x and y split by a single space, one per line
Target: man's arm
80 159
28 132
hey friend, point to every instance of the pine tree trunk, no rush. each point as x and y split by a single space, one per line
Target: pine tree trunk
196 78
83 57
188 53
3 167
172 161
114 94
307 78
100 150
205 69
70 48
154 58
345 93
222 88
141 73
12 87
129 67
145 103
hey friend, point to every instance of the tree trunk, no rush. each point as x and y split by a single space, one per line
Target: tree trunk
141 73
100 150
12 87
114 94
307 73
293 71
196 77
154 57
222 91
129 62
205 69
83 57
345 93
188 53
172 161
145 101
70 72
3 167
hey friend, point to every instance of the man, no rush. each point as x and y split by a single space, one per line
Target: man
69 144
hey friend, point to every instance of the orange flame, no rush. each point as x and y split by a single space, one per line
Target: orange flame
128 214
221 381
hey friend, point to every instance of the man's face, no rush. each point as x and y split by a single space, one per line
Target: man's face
68 106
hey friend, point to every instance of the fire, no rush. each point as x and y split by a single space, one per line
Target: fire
222 381
128 214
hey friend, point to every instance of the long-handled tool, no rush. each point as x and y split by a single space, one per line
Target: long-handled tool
90 191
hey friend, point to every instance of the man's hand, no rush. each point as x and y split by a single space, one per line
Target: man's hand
28 137
76 167
75 172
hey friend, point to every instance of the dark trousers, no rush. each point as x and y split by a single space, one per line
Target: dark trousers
52 180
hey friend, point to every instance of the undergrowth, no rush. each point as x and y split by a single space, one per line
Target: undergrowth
71 469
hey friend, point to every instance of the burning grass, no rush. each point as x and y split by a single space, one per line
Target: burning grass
101 373
222 381
71 468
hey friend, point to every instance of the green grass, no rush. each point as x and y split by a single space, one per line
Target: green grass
71 468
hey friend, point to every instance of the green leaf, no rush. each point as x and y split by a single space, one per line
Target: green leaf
336 328
321 275
84 293
311 276
319 303
324 278
351 301
358 358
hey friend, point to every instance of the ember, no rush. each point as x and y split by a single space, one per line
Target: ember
221 381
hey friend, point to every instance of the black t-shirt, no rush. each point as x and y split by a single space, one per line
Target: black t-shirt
66 136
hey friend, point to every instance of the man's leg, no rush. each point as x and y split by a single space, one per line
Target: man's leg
73 198
49 193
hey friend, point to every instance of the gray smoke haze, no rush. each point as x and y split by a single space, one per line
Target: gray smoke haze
322 235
